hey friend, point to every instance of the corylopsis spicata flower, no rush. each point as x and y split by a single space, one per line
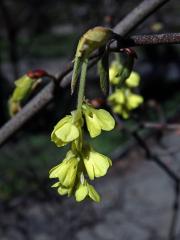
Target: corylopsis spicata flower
66 171
86 190
96 164
97 120
66 130
133 80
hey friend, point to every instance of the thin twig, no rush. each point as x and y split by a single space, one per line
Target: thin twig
149 40
173 176
138 15
167 126
175 209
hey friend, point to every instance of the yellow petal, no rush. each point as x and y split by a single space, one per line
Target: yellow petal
93 194
134 101
133 80
81 192
67 173
100 163
93 125
67 133
63 191
106 121
64 120
89 168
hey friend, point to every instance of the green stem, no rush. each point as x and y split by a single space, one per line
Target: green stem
82 85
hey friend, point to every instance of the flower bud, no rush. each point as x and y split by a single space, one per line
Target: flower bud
93 39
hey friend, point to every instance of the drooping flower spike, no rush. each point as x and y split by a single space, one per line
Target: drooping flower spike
71 171
82 161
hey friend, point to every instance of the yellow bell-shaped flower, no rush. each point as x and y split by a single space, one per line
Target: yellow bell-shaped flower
117 97
133 101
97 120
115 72
133 80
96 164
66 171
65 131
86 190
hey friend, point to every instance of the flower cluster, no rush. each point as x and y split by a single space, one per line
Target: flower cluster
123 99
81 160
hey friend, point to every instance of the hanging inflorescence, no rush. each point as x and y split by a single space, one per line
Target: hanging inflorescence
82 162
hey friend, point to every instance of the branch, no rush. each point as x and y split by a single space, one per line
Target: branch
163 126
133 19
138 15
149 40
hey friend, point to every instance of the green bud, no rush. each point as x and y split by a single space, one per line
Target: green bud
92 40
23 88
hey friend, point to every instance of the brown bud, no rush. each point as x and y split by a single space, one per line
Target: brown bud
38 73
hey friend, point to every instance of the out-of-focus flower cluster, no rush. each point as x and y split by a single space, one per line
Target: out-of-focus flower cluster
123 100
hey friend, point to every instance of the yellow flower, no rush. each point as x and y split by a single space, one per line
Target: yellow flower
117 97
133 80
62 190
134 101
96 164
66 171
65 131
115 72
123 101
97 120
85 189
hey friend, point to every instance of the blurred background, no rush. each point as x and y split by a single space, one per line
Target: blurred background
137 196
